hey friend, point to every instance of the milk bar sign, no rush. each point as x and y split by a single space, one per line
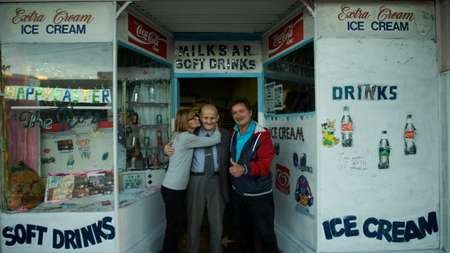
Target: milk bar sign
217 57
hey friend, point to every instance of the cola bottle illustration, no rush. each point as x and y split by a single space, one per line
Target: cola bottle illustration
384 150
409 135
347 128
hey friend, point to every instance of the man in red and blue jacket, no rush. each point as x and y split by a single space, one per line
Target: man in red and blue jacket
251 180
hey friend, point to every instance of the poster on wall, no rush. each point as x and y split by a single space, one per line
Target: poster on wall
217 57
57 22
269 97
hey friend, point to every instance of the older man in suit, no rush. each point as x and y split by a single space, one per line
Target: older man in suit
208 187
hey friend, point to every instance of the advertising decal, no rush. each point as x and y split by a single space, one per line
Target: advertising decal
145 37
289 34
282 179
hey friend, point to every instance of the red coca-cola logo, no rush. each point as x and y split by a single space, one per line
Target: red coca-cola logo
286 36
148 36
347 127
409 134
145 37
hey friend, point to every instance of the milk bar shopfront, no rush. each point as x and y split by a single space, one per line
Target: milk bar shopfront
351 91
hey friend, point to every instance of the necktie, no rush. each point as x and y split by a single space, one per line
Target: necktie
209 160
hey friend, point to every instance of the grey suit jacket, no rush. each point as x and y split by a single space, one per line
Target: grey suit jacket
224 163
223 153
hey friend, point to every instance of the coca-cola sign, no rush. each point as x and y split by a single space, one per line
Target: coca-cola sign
286 36
146 37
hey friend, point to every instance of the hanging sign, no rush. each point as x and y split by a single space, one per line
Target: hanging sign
386 19
56 22
289 34
90 96
146 37
218 57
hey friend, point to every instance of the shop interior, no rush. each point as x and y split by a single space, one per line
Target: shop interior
218 91
289 82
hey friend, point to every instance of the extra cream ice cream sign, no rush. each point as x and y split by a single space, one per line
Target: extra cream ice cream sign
51 22
400 19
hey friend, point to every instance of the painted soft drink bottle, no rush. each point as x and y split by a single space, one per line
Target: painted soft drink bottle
384 151
409 135
347 128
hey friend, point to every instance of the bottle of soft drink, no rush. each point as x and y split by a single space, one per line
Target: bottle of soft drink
409 135
384 151
347 128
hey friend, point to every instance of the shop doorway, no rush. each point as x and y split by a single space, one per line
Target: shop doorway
220 92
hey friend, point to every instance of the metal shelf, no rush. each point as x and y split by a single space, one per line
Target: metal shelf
148 104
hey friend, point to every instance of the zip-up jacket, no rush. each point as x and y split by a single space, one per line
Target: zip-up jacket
256 158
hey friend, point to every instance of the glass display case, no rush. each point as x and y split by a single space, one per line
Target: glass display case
58 126
144 100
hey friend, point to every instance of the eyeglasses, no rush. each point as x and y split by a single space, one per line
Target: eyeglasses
196 116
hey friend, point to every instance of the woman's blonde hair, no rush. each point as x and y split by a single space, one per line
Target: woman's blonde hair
182 119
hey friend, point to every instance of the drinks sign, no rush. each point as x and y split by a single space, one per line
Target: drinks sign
288 35
87 22
146 37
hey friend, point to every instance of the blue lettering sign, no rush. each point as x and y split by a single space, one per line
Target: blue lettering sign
382 229
364 92
69 239
355 26
29 29
23 234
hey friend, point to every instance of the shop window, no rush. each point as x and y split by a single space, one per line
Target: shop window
143 102
289 83
58 121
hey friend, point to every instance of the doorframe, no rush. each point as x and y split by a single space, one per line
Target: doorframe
175 90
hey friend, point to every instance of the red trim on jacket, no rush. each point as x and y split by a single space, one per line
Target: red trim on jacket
260 165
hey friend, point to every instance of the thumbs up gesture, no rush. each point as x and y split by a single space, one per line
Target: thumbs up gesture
236 170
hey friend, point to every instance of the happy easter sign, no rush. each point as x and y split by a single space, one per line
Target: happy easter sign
91 96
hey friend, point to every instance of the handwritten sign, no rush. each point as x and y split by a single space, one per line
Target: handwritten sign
99 232
91 96
228 57
385 20
398 231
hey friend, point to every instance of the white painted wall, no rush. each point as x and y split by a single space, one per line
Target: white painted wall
445 89
295 224
349 181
